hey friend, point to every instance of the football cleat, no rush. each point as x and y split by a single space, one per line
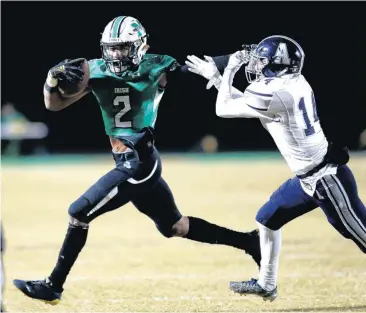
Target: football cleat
252 287
40 290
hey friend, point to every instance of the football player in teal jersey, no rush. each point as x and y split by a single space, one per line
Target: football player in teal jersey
128 85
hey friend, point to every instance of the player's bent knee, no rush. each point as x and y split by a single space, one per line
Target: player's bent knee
77 208
165 230
261 219
180 228
270 223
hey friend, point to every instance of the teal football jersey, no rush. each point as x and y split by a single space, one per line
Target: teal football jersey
129 102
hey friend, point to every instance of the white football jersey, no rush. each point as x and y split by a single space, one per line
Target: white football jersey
295 129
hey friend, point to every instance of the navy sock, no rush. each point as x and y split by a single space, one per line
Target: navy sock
74 242
203 231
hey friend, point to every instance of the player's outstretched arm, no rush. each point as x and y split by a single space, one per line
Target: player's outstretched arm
66 70
210 69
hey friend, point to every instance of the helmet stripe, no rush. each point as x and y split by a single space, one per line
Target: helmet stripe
110 31
120 25
116 26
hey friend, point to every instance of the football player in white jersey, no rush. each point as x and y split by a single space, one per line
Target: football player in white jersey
282 99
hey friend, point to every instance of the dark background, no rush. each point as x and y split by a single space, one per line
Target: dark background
37 35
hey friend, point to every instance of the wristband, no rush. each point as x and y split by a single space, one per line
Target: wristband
50 89
51 84
51 81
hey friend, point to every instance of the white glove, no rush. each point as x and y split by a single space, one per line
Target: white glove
206 68
237 59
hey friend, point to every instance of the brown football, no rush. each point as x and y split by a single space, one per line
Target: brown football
68 89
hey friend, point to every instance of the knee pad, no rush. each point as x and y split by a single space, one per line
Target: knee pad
165 230
77 209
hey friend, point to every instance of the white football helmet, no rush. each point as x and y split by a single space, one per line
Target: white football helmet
123 43
274 56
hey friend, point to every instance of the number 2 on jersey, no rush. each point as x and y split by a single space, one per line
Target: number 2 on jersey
309 130
127 107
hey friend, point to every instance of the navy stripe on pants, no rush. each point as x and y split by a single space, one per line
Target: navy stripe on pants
337 195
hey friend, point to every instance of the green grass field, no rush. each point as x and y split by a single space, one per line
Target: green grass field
128 266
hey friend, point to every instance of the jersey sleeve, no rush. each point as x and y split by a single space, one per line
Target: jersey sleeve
256 101
258 96
96 68
164 64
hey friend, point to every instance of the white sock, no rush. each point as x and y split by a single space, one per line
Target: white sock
271 241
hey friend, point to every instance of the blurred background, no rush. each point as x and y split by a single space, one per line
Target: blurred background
222 170
36 36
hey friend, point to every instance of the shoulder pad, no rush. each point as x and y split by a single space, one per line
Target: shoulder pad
259 94
97 68
266 87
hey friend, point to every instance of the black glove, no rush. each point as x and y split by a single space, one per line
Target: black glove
337 154
68 70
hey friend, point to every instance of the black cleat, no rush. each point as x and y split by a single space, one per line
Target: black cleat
251 287
254 249
39 290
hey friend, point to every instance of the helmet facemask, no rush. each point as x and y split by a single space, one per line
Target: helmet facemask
256 64
121 56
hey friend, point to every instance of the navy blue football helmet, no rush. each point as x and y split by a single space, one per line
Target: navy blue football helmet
274 56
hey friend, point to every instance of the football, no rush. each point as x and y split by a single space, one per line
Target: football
68 89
